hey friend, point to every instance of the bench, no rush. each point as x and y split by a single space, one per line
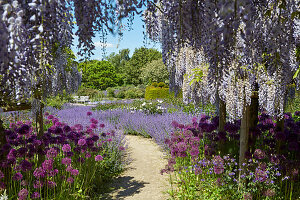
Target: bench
81 99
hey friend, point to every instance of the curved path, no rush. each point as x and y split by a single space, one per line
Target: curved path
142 180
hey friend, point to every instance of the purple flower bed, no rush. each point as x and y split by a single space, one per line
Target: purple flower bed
204 161
69 157
156 126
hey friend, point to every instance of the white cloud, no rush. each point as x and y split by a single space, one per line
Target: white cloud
101 44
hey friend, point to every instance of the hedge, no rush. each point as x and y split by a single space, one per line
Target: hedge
156 93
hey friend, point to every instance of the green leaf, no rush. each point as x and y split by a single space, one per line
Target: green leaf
297 72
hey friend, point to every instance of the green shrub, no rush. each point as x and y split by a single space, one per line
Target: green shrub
121 94
154 84
162 85
156 93
110 92
83 91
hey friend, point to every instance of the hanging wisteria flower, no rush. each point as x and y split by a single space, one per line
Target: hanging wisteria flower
98 158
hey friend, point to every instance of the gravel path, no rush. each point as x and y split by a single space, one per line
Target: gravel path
142 180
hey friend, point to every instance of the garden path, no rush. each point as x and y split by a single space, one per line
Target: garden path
142 180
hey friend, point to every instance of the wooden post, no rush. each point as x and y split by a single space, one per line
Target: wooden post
244 134
222 116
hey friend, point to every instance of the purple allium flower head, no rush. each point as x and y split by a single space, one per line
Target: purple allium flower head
69 169
39 173
194 151
46 114
259 154
17 177
2 185
66 129
88 155
53 172
51 184
12 154
121 148
35 195
58 130
23 194
50 117
37 184
102 125
66 148
51 153
181 146
89 113
74 172
93 126
81 142
47 165
70 180
98 158
66 161
80 160
24 129
25 165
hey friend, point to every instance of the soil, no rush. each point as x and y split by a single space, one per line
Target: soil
142 179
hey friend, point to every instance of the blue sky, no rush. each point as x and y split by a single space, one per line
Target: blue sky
131 39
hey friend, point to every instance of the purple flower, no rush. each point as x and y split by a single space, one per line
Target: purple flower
47 165
51 184
194 151
98 158
101 125
1 175
39 173
23 194
66 129
74 172
70 180
37 184
53 172
35 195
24 129
66 148
50 117
81 142
93 126
89 113
51 153
25 165
17 177
121 148
259 154
66 161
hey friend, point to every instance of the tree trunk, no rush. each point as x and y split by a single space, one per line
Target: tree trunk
222 115
253 109
244 134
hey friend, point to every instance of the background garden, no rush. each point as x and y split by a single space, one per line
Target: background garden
221 99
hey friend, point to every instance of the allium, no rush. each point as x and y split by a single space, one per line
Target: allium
109 140
17 177
74 172
259 154
89 113
50 117
46 113
53 172
2 185
37 184
47 165
66 161
70 180
81 142
194 151
69 168
24 129
88 155
23 194
66 129
51 184
101 125
51 153
93 126
98 158
66 148
121 148
39 173
35 195
25 165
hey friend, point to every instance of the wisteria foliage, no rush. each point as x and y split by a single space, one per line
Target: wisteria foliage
245 42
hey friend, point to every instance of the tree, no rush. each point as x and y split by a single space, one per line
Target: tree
98 74
119 60
154 71
139 59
